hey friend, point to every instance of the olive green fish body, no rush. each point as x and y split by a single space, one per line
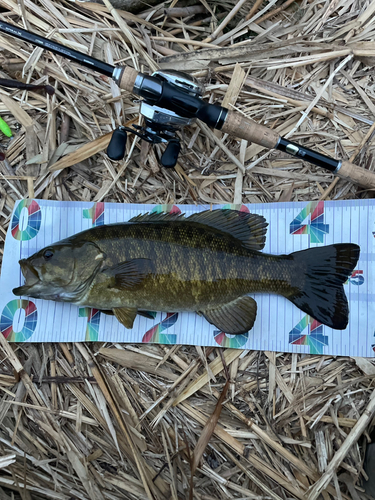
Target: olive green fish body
189 267
208 263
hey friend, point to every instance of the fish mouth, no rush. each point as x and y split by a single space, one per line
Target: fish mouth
31 278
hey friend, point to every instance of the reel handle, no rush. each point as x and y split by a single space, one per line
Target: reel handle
170 156
117 144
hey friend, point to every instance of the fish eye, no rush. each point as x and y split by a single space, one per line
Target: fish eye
47 254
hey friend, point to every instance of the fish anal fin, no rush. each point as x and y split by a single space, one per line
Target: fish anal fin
125 315
130 274
234 318
250 229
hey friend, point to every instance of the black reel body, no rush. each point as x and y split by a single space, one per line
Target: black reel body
161 125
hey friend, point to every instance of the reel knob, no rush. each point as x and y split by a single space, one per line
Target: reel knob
170 155
117 144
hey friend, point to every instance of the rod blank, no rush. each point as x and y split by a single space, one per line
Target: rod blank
57 48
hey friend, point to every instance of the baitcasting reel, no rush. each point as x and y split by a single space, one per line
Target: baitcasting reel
161 125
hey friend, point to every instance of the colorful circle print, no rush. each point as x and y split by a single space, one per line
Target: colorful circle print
96 214
235 342
7 318
34 220
167 209
240 208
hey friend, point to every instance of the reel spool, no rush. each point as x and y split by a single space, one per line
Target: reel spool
161 125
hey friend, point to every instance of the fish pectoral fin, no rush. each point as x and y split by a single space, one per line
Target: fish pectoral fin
234 318
130 274
125 315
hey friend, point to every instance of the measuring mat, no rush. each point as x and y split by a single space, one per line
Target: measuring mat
279 326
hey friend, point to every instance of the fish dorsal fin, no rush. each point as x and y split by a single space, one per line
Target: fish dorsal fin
250 229
234 318
157 217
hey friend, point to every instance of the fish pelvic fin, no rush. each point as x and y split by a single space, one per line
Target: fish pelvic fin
318 282
234 318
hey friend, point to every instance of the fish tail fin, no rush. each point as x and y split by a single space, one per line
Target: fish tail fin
317 287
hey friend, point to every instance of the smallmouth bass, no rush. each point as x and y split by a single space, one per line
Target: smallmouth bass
207 263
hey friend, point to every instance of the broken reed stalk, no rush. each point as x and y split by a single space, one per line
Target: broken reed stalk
339 456
205 437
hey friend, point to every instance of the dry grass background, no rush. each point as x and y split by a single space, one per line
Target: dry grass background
126 421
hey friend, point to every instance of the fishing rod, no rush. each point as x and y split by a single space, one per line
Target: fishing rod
173 99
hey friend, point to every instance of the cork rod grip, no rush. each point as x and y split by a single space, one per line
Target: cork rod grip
356 174
239 126
127 78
